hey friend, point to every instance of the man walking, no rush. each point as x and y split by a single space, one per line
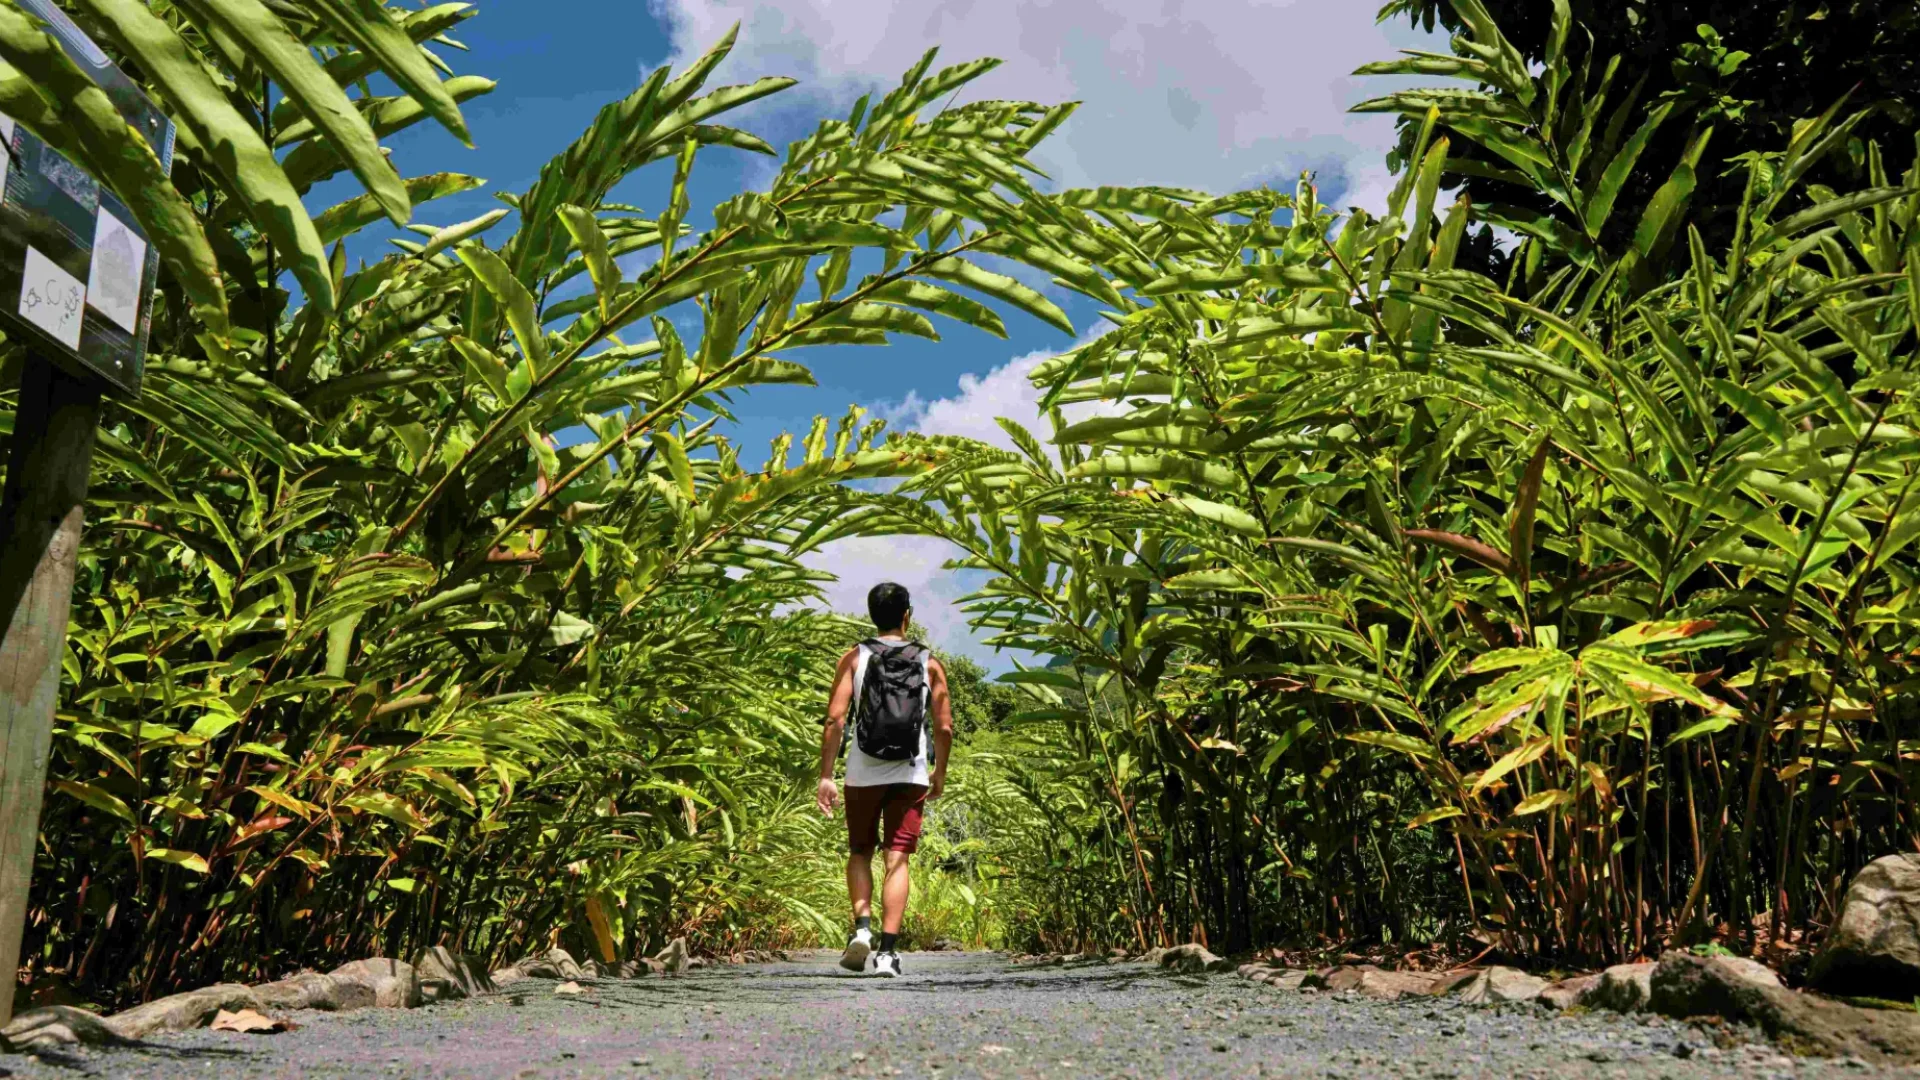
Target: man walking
895 763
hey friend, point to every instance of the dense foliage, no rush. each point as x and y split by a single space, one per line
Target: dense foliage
1390 602
1752 71
433 610
1380 600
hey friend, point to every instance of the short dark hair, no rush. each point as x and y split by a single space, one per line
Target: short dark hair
887 605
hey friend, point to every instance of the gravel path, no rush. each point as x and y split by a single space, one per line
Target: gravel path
953 1015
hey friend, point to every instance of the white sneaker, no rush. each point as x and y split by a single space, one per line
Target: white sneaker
854 958
887 965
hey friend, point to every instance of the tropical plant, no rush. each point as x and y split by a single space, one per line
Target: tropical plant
214 66
1392 598
437 611
1380 601
1659 73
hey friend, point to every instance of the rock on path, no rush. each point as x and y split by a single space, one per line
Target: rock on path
954 1015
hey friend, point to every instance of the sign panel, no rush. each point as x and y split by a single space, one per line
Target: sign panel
77 272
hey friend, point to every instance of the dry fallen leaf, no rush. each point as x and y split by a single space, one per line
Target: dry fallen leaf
249 1021
569 987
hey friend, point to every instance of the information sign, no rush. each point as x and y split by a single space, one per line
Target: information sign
76 270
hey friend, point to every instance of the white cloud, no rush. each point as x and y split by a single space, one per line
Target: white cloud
1211 94
917 561
1004 391
971 413
1214 94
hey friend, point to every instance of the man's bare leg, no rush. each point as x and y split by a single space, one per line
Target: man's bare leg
860 883
894 894
860 892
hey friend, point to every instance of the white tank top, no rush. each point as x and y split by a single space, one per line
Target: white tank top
864 770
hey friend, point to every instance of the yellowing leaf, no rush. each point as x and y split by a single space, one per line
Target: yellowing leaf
284 801
391 807
1648 633
1519 757
1393 740
263 750
185 859
1542 800
1438 813
602 929
98 798
174 804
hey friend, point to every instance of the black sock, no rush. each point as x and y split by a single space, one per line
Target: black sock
887 941
862 922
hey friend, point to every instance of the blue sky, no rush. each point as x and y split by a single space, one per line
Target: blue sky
1218 95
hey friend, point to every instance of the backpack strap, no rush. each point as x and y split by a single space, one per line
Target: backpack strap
863 655
882 645
926 704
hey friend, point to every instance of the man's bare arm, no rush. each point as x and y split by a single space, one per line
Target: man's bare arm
826 795
942 725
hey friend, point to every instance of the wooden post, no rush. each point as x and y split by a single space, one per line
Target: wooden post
41 514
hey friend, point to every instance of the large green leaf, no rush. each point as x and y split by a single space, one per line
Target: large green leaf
267 42
225 139
370 26
77 117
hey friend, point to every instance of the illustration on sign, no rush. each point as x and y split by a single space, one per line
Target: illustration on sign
119 262
74 261
51 298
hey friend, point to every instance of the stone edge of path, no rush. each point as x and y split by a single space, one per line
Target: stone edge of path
1680 985
436 975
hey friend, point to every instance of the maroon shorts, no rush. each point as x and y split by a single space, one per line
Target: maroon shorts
898 804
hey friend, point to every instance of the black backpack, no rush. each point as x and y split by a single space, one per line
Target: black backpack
891 705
